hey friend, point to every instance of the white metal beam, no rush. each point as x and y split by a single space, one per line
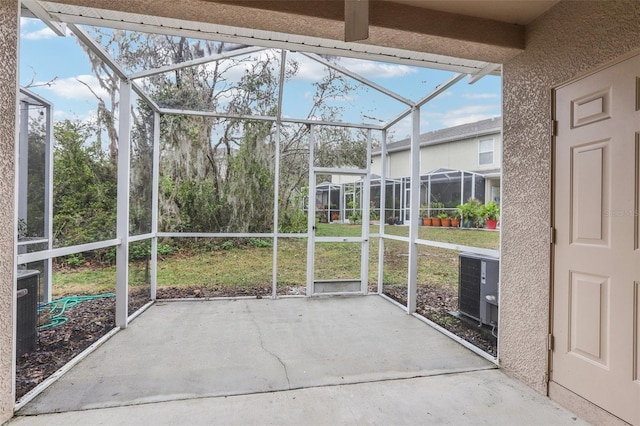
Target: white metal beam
122 205
96 48
339 171
65 251
414 208
366 214
34 6
214 234
174 111
194 62
311 215
332 123
437 91
276 40
276 179
359 78
144 95
48 197
440 89
383 205
490 68
197 113
155 197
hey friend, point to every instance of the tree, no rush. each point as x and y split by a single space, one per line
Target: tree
217 174
84 187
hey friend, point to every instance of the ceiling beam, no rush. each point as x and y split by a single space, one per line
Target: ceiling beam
356 20
391 24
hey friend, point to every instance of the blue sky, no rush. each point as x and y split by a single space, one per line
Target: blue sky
45 56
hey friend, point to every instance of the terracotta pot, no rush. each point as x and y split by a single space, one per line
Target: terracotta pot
446 222
435 221
492 223
455 223
426 221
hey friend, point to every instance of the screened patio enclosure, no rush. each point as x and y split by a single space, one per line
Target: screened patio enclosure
35 230
446 186
156 141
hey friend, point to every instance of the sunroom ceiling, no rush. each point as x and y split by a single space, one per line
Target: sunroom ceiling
78 14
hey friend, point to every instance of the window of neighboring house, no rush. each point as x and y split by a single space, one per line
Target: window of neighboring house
485 152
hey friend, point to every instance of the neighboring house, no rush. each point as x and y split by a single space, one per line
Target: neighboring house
473 147
456 163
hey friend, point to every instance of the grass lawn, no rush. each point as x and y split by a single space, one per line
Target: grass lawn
251 266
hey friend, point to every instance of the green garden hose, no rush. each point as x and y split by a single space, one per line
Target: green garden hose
58 307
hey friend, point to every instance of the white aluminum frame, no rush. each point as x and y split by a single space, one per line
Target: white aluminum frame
122 214
29 98
127 86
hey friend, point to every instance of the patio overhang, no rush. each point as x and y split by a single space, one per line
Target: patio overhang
398 33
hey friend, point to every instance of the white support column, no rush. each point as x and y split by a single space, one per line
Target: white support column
48 207
366 214
415 207
311 215
23 163
276 178
276 213
383 204
473 185
155 199
429 194
122 222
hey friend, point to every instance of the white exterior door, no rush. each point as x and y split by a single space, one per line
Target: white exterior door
596 278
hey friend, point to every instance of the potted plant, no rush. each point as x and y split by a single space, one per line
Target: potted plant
392 220
444 219
470 212
436 211
455 220
491 213
424 213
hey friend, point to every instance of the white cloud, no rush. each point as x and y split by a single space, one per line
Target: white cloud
342 98
481 96
41 34
72 88
88 116
310 70
465 114
371 69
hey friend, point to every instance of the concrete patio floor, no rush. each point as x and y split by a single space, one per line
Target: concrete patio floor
339 360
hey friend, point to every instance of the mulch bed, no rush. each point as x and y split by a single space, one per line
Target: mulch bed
92 319
437 305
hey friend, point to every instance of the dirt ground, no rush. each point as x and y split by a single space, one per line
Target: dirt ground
92 319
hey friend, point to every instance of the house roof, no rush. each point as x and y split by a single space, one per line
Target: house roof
463 131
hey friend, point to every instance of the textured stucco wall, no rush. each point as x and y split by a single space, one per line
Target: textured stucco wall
570 39
8 76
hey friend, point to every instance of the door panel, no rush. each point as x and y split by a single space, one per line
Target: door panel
589 178
589 324
338 251
596 256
